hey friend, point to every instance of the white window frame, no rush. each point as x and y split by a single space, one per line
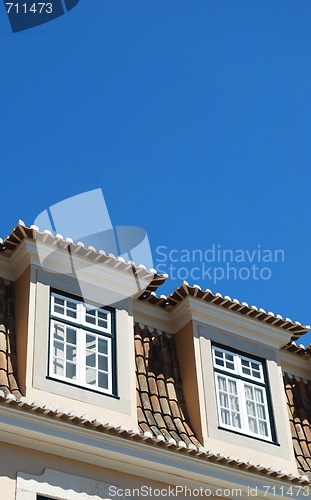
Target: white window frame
241 379
82 328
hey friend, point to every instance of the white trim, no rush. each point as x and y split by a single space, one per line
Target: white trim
61 439
82 329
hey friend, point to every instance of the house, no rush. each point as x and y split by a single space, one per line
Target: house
108 395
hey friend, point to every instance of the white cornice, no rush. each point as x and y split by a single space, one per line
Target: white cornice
98 274
295 364
195 309
127 456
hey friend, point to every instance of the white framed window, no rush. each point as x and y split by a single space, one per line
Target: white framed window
81 344
241 393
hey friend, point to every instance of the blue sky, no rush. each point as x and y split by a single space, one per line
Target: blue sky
193 118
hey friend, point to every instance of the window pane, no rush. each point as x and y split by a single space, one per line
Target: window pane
90 376
223 399
58 366
236 420
103 363
71 336
222 385
252 425
91 342
102 346
71 353
232 387
70 370
103 380
102 323
263 428
261 412
259 395
225 416
59 333
250 407
90 359
90 320
58 349
234 403
249 392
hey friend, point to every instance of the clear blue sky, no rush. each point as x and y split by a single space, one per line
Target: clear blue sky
194 117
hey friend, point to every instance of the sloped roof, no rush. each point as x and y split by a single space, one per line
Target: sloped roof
161 406
8 361
185 290
298 394
21 231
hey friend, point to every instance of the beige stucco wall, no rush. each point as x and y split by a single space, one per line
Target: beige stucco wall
32 329
34 462
22 460
186 345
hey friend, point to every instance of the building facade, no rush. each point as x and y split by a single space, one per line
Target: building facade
109 394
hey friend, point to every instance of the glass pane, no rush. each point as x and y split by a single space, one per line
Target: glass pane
223 398
230 365
71 336
250 406
91 320
71 305
229 357
90 342
255 366
58 349
256 374
90 359
71 314
59 332
91 312
58 366
57 300
222 384
102 346
248 392
103 380
259 395
225 416
70 371
263 428
102 323
91 376
246 370
219 362
71 353
236 421
59 310
102 315
261 412
103 363
252 425
234 403
232 387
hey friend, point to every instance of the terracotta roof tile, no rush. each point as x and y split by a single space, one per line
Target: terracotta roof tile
8 379
163 393
172 300
298 393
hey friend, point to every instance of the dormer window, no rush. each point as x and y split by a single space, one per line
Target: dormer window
241 392
81 344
